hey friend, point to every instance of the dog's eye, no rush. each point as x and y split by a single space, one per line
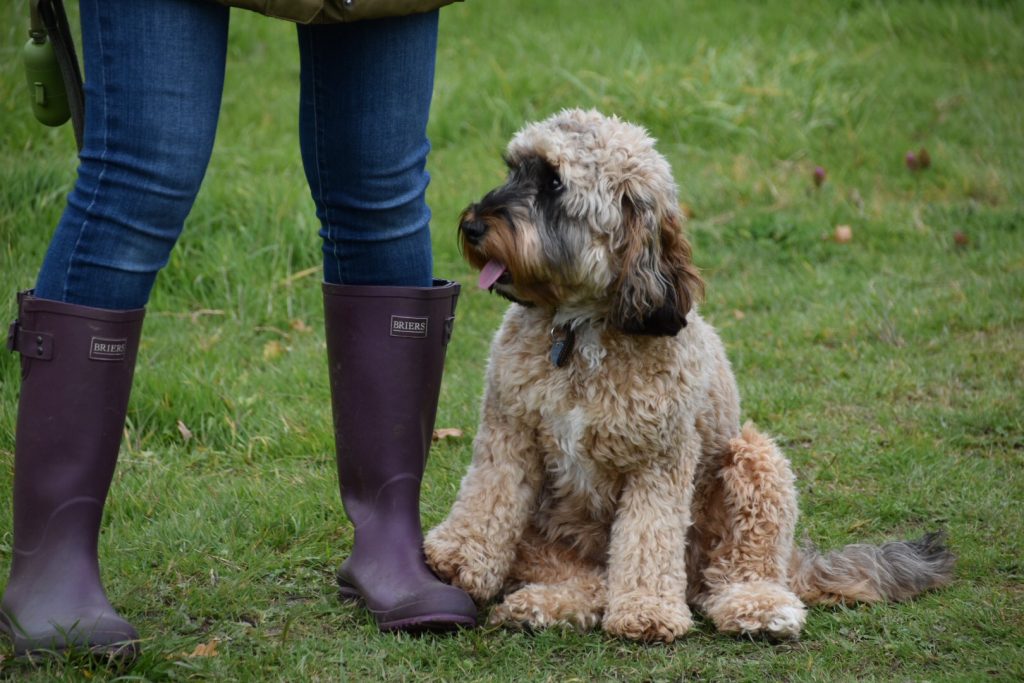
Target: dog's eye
554 184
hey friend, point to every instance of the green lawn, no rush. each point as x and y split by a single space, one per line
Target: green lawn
891 367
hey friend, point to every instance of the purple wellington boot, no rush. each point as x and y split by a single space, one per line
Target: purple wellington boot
385 349
76 365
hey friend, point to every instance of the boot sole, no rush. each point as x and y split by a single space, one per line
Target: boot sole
438 622
116 659
116 656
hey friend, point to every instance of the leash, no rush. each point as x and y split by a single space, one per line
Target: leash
51 68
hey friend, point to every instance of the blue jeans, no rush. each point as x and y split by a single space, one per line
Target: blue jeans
154 77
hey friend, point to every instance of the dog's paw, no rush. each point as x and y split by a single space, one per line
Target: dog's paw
441 548
756 607
537 606
462 562
648 618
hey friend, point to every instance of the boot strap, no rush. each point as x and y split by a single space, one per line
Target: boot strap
36 345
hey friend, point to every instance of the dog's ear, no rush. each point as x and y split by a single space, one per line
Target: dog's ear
657 282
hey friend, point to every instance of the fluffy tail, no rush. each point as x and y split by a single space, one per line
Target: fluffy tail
894 571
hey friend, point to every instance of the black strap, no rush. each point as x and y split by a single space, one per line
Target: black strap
55 20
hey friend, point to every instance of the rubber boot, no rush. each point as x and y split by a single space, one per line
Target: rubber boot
77 364
385 349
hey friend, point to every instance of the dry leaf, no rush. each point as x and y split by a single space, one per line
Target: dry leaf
205 649
185 432
843 234
961 239
272 349
300 326
738 314
447 433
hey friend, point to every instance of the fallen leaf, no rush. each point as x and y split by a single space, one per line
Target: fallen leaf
205 649
185 432
300 326
843 234
961 239
272 349
447 433
738 314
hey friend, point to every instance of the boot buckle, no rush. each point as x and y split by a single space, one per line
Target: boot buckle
15 326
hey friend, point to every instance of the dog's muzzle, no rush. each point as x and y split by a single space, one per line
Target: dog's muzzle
472 227
492 272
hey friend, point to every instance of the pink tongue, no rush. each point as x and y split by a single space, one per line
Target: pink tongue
490 273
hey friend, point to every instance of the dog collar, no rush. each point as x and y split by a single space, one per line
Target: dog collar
563 339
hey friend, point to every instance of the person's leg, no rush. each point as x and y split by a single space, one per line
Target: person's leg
366 91
154 72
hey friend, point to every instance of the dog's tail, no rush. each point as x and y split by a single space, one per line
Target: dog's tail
894 571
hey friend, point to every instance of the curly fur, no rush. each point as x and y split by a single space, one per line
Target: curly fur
620 489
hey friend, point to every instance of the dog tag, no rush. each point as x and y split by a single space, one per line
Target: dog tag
561 349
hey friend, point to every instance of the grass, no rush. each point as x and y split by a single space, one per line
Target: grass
891 367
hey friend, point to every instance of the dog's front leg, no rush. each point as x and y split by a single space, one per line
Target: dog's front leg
475 546
646 555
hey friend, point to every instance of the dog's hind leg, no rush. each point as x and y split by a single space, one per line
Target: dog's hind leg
556 587
746 527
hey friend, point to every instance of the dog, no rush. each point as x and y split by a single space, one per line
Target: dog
612 483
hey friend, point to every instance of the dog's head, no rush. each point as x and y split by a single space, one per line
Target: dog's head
587 223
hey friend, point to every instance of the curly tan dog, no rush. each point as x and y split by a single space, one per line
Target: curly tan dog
611 480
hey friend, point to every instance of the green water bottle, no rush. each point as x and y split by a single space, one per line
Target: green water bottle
45 85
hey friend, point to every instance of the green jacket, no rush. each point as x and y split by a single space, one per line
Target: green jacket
335 11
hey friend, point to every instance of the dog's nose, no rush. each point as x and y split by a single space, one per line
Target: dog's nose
473 228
